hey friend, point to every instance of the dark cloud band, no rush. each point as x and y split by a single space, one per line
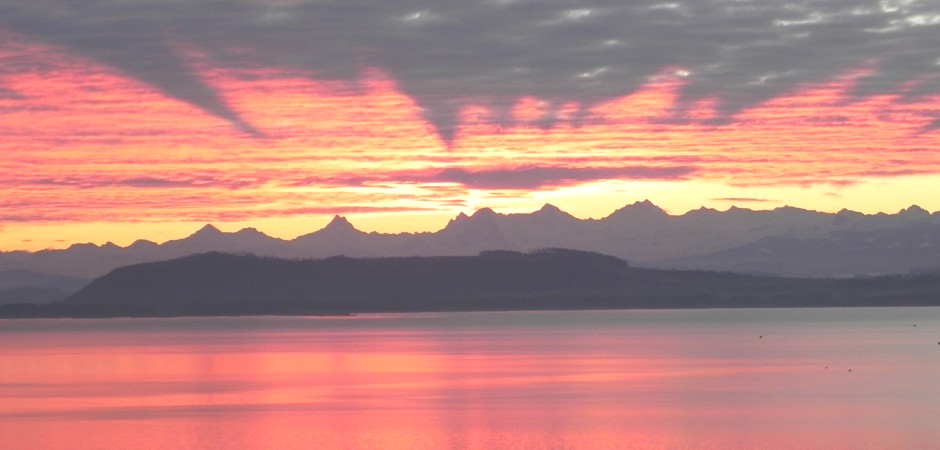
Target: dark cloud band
450 53
537 177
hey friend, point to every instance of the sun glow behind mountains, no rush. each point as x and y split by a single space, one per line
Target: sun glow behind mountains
90 154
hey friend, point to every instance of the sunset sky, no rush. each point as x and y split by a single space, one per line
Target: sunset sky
126 119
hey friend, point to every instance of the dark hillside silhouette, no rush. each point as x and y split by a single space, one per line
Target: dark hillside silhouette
225 284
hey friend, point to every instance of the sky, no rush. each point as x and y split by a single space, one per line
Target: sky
127 119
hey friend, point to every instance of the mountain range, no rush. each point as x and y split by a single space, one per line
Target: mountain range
784 241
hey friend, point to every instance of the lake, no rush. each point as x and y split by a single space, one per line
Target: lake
851 378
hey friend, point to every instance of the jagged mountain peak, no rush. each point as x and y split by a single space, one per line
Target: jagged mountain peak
645 203
788 212
644 208
849 213
250 234
701 210
549 208
914 211
846 216
484 224
792 209
207 230
481 217
459 218
210 238
83 245
484 212
142 243
551 211
339 223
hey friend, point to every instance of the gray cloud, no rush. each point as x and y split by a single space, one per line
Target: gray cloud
536 177
742 200
450 53
527 177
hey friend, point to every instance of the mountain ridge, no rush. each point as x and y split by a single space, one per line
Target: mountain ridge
640 232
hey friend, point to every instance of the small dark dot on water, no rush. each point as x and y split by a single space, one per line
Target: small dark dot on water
850 370
762 336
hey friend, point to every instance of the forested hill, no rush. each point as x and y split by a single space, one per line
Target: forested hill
225 284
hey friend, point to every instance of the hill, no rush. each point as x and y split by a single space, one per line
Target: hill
225 284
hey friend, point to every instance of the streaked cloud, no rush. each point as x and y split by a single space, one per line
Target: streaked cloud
448 54
6 93
99 182
596 104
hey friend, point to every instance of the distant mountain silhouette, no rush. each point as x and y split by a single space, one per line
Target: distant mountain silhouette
24 286
641 233
224 284
914 248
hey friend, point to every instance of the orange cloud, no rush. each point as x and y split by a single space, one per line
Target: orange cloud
83 143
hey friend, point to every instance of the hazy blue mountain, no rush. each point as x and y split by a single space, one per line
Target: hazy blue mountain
467 236
25 286
641 233
914 248
26 278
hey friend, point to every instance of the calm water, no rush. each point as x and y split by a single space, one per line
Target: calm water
800 378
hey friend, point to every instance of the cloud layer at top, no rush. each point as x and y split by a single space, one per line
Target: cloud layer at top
447 54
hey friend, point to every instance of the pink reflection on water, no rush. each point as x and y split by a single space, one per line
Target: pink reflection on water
522 380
